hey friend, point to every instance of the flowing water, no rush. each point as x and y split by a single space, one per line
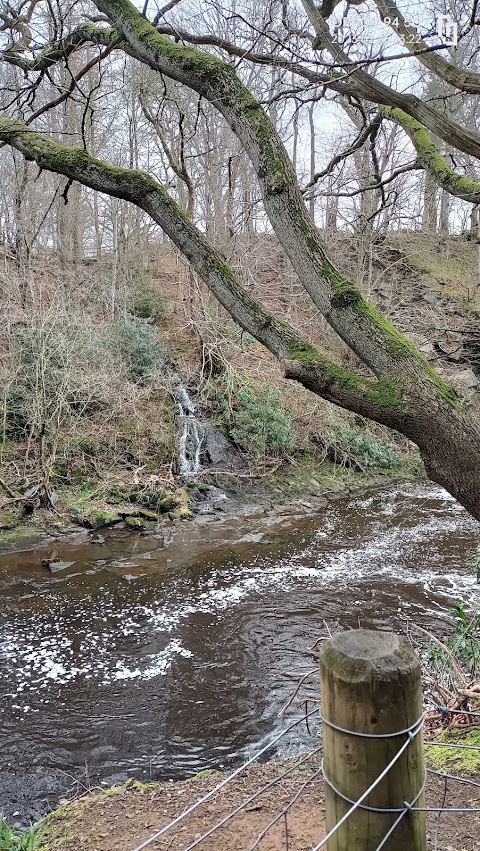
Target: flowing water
191 434
157 659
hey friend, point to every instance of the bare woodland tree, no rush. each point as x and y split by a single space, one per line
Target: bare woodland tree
302 56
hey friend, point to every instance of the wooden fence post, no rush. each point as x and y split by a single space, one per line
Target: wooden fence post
371 683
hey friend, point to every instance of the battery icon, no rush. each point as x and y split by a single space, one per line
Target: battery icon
447 30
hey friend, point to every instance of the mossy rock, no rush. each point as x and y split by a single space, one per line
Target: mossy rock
21 538
182 502
451 758
135 523
100 519
199 486
127 511
168 501
147 514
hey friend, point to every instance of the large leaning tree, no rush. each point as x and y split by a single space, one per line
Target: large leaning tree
400 389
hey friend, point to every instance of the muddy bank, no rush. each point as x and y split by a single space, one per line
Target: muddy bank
296 489
121 819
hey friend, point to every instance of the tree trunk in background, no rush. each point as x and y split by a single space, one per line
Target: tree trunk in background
443 223
331 214
429 217
22 239
69 224
311 122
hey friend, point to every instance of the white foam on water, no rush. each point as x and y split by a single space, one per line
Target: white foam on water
40 653
156 664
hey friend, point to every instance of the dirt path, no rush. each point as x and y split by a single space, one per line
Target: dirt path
122 820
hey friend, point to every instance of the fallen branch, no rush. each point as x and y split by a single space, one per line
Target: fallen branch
296 690
8 490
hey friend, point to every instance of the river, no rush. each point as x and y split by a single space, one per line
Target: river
157 659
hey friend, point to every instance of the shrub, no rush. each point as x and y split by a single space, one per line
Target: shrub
145 302
138 346
463 642
259 423
369 452
62 368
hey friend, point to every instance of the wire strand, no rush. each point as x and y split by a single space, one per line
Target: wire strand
224 782
249 800
411 736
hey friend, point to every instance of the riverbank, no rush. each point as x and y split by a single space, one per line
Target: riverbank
121 819
150 505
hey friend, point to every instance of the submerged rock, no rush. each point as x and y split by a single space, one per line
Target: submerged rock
22 538
56 566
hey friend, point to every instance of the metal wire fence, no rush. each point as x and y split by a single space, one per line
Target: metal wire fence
317 774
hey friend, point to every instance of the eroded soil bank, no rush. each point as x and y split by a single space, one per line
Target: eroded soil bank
121 820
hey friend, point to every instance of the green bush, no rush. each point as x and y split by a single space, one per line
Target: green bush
259 423
138 346
369 452
145 302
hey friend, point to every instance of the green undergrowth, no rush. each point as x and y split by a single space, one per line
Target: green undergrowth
256 420
12 840
308 475
458 759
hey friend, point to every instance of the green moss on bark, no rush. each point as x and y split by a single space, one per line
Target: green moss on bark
385 393
399 347
396 344
431 158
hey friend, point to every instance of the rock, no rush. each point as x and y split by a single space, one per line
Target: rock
168 501
199 486
182 502
219 451
147 514
251 538
22 538
100 519
134 523
56 566
128 511
464 382
427 350
46 562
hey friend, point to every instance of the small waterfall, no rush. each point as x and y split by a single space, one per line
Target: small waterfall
191 434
